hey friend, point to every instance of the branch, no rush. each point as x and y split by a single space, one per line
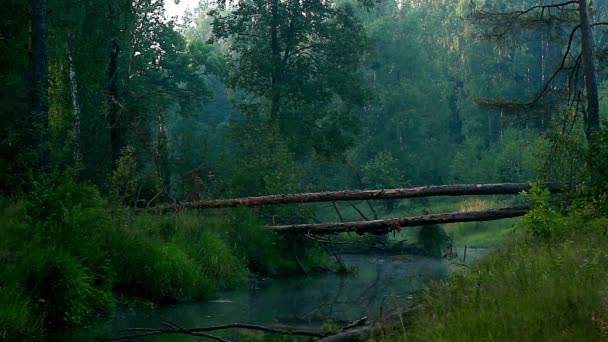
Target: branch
174 329
515 15
359 211
493 104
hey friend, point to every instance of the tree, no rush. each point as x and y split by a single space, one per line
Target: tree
572 16
297 64
39 78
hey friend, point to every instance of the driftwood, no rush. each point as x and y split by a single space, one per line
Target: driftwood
388 225
352 195
174 329
372 331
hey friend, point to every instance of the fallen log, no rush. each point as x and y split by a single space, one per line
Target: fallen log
375 330
388 225
352 195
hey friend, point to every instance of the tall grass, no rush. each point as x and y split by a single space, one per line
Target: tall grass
548 284
529 292
64 250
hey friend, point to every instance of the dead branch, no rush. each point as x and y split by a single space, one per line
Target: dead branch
174 329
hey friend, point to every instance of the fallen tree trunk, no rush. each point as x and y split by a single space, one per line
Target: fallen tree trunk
352 195
388 225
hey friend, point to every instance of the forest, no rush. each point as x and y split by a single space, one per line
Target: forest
123 128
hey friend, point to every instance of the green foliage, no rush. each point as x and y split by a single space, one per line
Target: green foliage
125 177
512 159
597 161
261 164
542 220
433 239
298 62
17 318
330 327
382 172
563 155
267 253
157 271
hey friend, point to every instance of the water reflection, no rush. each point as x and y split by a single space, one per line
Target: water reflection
381 284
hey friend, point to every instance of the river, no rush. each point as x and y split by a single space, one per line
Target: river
380 284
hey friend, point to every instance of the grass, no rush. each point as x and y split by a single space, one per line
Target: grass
64 252
533 288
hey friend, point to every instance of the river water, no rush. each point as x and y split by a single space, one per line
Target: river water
379 285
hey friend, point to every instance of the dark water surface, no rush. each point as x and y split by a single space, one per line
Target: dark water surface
380 284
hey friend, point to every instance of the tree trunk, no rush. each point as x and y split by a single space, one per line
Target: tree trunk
116 126
162 158
276 61
75 101
39 78
388 225
353 195
592 116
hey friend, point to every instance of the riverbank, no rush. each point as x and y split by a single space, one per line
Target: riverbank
304 302
548 284
65 252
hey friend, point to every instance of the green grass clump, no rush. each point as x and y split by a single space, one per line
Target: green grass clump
160 272
62 288
17 319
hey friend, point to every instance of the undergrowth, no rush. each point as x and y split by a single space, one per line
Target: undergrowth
549 283
64 251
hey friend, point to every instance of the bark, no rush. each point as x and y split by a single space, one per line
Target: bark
276 61
353 195
39 78
162 159
75 100
116 126
592 122
388 225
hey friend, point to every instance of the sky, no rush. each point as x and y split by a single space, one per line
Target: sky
172 9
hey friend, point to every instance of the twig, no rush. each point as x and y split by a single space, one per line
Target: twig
359 211
338 212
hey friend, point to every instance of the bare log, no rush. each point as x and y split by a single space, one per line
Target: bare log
354 195
388 225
